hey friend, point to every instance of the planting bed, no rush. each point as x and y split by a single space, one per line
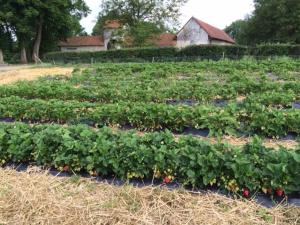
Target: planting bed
210 99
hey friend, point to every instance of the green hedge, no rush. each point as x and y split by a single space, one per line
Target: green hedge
126 155
214 52
275 50
131 54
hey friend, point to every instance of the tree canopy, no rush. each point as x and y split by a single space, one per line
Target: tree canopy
142 18
36 22
273 21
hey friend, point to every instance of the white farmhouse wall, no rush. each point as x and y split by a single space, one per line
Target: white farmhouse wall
192 34
107 36
83 49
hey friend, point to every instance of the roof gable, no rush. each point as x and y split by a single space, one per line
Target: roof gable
83 41
213 32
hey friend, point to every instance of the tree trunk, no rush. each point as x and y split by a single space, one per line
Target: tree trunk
1 57
37 42
23 56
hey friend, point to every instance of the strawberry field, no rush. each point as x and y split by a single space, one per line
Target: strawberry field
142 121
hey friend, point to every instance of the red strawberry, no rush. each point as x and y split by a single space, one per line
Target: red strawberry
246 192
167 180
66 168
279 192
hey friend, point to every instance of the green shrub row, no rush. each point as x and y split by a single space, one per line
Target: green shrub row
153 91
214 52
252 118
127 155
275 50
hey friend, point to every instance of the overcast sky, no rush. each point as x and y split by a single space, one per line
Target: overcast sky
219 13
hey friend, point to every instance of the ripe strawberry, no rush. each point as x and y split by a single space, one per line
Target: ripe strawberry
66 168
279 192
167 180
246 192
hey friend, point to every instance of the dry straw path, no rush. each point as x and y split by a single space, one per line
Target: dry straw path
12 74
33 197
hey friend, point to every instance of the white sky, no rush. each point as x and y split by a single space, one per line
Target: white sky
219 13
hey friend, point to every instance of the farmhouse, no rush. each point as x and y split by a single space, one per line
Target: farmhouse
194 32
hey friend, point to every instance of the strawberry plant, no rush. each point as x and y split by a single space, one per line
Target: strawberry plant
128 155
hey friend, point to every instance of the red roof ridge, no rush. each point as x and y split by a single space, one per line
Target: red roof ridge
214 32
164 40
83 41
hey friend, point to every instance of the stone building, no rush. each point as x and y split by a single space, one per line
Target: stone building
194 32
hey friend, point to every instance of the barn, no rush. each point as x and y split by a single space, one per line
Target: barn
197 32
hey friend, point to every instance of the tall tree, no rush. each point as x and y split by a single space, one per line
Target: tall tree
6 41
140 17
2 42
58 18
238 31
18 16
29 19
273 21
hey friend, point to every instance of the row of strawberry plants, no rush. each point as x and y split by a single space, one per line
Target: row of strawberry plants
278 66
127 155
143 116
279 99
154 92
251 119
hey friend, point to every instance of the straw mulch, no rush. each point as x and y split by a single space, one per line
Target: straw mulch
30 74
33 197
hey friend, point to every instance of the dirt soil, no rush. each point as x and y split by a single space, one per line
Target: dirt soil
33 197
12 74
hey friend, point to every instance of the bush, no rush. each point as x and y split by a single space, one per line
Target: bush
213 52
275 50
131 54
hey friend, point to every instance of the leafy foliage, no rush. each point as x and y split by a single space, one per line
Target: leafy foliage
273 21
127 155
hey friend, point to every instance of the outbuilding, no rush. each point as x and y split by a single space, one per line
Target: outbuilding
197 32
83 44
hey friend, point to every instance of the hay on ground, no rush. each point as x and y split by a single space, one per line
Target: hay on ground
33 197
10 77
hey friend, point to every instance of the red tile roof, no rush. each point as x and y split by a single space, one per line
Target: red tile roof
112 24
165 40
213 32
83 41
